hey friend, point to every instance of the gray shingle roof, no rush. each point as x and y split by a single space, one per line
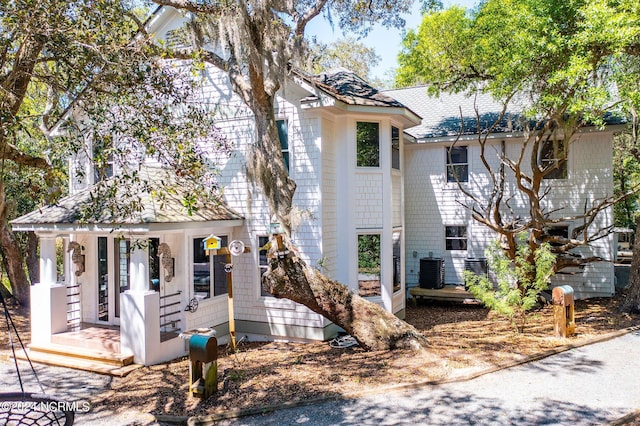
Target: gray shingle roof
441 116
69 210
347 87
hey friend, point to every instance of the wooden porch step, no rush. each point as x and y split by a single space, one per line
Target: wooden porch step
92 339
452 293
113 358
78 363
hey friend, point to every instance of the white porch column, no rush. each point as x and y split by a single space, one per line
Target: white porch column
139 268
48 267
140 312
140 326
48 299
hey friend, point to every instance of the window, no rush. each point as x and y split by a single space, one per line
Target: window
122 280
263 263
369 265
102 159
395 148
154 264
368 145
456 237
561 231
283 135
208 268
103 280
552 160
397 258
457 164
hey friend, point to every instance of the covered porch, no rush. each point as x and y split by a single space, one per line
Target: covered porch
117 290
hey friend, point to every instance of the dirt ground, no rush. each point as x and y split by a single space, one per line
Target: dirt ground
463 339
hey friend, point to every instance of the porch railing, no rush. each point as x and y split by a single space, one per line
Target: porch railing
74 316
170 316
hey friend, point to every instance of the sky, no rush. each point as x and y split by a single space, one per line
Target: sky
387 42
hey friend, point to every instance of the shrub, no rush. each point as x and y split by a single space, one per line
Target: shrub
518 282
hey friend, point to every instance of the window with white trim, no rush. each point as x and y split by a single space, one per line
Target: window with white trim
553 158
263 262
456 237
457 164
368 144
209 275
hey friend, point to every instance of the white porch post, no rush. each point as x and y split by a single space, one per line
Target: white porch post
48 299
140 312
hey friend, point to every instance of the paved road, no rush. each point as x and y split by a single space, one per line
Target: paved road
591 385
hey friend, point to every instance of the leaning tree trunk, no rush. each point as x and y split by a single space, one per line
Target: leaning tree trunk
632 301
373 327
31 257
12 260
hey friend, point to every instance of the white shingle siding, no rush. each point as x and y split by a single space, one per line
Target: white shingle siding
430 207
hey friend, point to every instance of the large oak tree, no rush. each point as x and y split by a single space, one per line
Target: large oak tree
58 58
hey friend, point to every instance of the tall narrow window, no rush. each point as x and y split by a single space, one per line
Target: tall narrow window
397 260
368 144
219 271
201 270
121 247
552 160
456 237
103 280
369 265
154 264
283 135
457 164
395 148
263 263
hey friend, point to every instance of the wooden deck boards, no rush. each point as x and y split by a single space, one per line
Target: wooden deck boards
452 293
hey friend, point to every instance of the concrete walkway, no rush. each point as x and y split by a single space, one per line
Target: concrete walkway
592 385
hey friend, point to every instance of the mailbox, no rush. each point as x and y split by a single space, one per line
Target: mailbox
203 365
563 311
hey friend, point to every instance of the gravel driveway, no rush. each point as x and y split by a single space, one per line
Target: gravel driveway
591 385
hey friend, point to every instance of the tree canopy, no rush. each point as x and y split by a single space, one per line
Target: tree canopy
577 57
64 67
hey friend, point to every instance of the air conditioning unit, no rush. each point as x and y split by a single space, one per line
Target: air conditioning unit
431 272
476 265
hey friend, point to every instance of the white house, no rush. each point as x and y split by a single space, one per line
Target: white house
344 199
438 226
396 198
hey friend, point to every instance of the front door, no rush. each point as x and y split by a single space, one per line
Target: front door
113 277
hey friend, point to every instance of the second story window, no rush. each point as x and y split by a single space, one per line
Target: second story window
283 135
395 148
368 144
102 160
457 164
553 159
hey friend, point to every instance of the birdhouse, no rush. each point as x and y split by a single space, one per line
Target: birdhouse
212 243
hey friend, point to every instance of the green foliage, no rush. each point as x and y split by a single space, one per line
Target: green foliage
518 282
564 55
347 53
626 178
